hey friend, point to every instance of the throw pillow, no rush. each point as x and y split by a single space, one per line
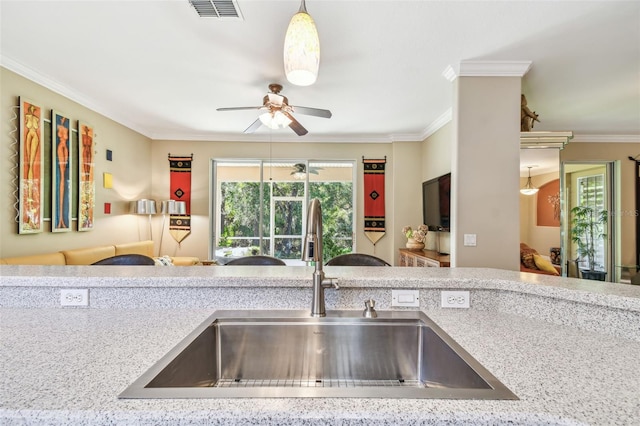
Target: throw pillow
526 257
544 265
163 261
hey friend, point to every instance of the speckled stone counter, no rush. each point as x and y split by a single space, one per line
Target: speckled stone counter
556 343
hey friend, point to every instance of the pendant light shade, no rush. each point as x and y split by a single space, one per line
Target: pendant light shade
301 49
529 189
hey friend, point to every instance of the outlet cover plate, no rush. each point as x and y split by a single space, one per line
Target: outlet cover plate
74 297
454 299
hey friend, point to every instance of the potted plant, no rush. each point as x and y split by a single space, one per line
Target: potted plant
415 237
587 227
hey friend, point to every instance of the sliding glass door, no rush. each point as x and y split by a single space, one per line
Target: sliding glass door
259 207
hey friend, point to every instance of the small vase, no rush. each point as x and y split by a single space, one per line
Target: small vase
414 245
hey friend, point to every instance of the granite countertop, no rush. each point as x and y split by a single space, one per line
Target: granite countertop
567 348
68 366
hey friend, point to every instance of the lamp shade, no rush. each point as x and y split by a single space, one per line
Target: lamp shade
173 207
302 49
143 206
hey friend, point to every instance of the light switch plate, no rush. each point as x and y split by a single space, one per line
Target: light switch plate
470 240
409 298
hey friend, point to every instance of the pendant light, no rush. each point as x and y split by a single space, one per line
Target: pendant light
529 189
301 49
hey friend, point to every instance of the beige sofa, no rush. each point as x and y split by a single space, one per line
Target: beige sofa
89 255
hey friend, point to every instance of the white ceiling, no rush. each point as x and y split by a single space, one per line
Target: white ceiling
160 69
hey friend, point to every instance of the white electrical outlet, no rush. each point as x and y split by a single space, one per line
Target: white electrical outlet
405 298
74 297
454 299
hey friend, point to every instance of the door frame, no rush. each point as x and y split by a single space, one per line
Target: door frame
612 194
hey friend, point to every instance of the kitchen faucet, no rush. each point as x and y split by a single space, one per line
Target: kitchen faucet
312 251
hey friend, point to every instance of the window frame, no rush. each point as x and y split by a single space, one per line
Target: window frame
263 164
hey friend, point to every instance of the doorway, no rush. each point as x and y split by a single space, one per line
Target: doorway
590 184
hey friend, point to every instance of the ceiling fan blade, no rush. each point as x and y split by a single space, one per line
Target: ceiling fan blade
254 126
239 108
295 126
324 113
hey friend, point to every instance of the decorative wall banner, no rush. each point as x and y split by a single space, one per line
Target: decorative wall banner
374 213
31 184
61 163
86 178
180 190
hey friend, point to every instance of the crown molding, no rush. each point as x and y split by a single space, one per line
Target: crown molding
606 138
437 124
487 69
266 137
61 89
537 140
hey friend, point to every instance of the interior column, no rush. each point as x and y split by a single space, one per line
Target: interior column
486 164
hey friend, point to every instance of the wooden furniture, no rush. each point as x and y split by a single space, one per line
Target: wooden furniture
423 258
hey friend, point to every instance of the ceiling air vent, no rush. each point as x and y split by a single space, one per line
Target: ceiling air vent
225 9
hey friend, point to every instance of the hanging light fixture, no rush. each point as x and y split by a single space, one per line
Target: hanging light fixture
529 189
301 49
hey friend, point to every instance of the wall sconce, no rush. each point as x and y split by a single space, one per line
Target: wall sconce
170 207
145 206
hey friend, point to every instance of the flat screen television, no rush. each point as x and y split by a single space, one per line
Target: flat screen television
436 203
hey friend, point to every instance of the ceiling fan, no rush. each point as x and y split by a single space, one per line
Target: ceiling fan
278 113
300 171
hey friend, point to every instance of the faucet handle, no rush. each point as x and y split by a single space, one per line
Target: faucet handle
331 283
369 309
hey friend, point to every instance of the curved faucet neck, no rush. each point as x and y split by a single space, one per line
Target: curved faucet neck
312 250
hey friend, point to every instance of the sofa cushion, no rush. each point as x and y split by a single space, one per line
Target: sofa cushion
185 260
36 259
89 255
139 247
544 265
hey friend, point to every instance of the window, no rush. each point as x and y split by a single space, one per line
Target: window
591 193
260 206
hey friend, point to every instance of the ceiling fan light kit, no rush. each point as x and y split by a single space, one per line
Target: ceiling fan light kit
275 120
302 49
278 114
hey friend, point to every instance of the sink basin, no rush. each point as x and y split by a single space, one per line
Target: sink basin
237 354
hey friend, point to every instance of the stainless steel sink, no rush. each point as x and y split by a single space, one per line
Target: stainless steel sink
289 354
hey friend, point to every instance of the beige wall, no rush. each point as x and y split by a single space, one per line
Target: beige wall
403 200
407 192
436 153
540 238
614 152
436 161
130 169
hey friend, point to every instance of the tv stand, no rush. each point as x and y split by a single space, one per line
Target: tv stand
423 258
